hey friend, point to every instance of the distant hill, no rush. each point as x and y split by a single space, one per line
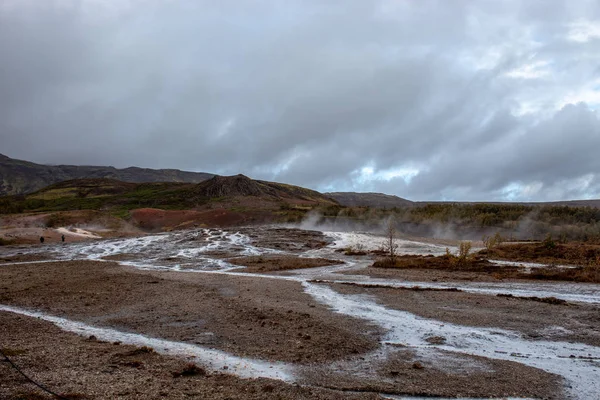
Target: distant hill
594 203
378 200
21 177
381 200
240 185
225 192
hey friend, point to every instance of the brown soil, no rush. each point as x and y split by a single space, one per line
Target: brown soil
219 311
454 376
79 368
280 263
23 258
258 317
535 319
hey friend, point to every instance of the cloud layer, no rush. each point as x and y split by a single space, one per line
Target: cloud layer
429 100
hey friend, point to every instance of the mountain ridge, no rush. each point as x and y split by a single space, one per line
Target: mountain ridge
23 177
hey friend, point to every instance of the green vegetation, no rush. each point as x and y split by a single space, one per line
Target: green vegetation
119 197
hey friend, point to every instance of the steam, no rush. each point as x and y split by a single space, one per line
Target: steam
535 224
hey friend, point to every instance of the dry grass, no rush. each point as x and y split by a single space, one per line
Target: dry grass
446 262
589 273
545 253
280 263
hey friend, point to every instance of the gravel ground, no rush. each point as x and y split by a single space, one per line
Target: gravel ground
264 318
261 318
79 368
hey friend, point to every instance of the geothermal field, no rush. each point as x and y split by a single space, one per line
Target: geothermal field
285 313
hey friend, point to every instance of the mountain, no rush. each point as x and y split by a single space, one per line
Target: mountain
21 177
378 200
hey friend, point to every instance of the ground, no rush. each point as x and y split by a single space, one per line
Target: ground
338 324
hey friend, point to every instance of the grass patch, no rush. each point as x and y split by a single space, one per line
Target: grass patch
588 274
446 262
280 263
546 252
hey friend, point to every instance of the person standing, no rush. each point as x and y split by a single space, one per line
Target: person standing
62 238
42 239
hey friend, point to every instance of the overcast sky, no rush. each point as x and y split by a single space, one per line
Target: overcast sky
424 99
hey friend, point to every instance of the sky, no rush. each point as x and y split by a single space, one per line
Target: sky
465 100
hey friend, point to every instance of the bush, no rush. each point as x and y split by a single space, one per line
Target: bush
548 242
464 252
492 241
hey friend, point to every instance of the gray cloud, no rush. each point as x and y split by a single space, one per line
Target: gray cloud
468 100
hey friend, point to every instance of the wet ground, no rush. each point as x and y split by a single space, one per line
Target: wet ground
342 326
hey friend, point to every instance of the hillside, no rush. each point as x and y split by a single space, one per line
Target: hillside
238 193
241 186
376 200
22 177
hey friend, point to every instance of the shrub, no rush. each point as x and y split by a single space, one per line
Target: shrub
492 241
464 250
548 242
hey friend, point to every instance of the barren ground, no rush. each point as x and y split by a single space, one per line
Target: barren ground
269 316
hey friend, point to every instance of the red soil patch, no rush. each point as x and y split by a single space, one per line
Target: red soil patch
154 219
